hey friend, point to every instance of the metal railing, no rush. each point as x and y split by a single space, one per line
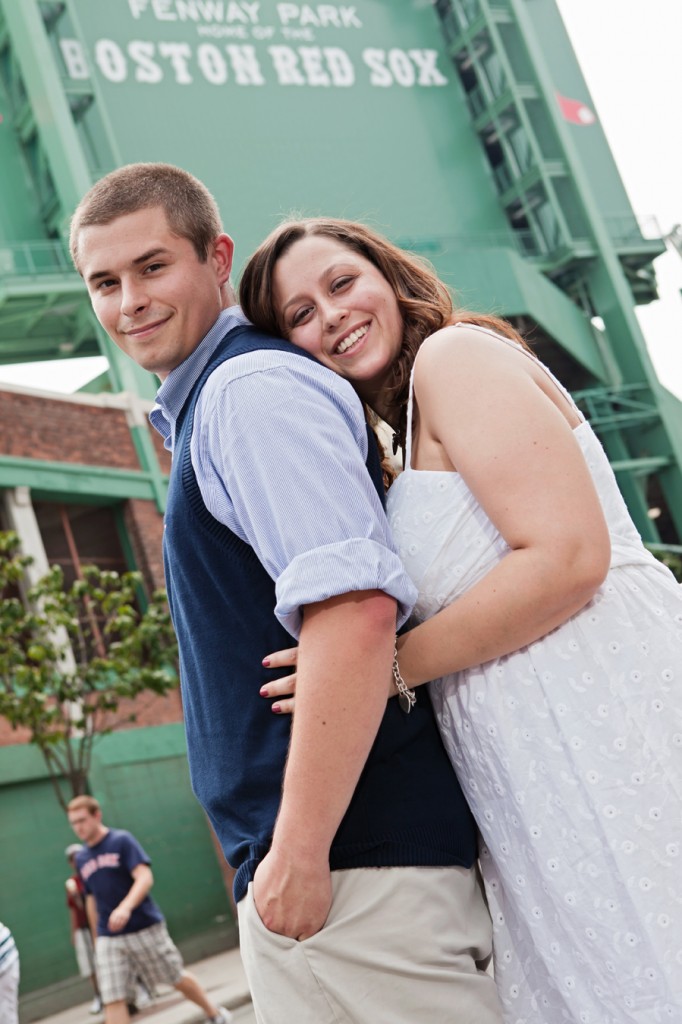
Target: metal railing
34 259
42 258
630 230
435 245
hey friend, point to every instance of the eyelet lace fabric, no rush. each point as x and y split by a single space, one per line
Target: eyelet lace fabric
570 754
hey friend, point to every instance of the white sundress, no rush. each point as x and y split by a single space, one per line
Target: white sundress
569 752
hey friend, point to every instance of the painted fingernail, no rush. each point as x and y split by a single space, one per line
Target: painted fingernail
265 662
263 691
276 709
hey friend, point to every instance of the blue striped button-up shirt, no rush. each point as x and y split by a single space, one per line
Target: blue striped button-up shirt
294 484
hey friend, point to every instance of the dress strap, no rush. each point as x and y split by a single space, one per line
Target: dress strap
408 433
514 344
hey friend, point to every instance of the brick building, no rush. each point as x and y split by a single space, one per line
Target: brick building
76 491
82 481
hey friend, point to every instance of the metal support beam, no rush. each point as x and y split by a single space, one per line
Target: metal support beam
56 129
72 481
146 453
22 519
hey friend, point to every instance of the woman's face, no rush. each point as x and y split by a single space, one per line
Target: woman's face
339 307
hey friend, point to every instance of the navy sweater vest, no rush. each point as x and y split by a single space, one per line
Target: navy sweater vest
408 808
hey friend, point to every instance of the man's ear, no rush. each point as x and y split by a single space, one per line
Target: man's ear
222 254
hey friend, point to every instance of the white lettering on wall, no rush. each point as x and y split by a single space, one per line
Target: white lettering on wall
426 63
231 31
179 54
110 60
285 63
252 11
340 66
74 58
212 64
137 7
401 67
162 10
314 66
319 66
245 65
147 69
228 12
311 59
379 73
196 10
320 16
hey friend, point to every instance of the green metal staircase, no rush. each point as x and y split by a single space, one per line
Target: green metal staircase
511 60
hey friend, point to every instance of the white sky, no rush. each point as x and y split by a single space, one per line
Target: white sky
630 57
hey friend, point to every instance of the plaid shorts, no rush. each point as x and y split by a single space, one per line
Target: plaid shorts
85 954
149 954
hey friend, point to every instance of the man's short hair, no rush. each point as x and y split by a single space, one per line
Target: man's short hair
191 210
85 803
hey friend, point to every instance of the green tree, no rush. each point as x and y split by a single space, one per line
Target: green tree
70 657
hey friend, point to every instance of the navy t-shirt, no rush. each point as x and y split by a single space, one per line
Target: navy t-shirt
106 870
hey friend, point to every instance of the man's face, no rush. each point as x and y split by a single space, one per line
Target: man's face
85 824
149 291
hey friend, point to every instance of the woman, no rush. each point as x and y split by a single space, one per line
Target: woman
554 637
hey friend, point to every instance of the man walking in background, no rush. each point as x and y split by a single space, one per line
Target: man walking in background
81 936
132 938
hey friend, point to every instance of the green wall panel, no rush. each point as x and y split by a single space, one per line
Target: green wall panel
32 894
148 793
500 281
347 110
140 777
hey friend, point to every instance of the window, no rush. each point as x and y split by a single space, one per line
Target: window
77 535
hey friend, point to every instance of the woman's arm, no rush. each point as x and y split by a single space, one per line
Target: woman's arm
491 413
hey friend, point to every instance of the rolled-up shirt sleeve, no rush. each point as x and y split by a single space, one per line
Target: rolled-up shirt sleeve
279 450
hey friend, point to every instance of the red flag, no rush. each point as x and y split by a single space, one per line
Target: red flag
576 111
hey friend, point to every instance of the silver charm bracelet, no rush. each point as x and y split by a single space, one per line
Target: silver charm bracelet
406 697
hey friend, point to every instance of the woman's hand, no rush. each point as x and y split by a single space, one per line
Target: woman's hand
284 687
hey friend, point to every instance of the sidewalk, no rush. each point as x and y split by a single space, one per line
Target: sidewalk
222 977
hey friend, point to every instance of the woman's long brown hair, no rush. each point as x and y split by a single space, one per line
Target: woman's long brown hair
423 299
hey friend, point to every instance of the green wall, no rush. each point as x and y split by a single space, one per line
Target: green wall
348 110
141 779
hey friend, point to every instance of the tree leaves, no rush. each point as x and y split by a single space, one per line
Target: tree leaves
71 656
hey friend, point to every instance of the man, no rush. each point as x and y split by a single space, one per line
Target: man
81 936
82 939
275 527
132 938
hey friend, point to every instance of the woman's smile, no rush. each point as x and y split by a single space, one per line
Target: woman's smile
338 306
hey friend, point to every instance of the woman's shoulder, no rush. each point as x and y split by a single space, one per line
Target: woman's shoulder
462 347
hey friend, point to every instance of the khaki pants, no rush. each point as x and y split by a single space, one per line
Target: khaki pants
400 946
